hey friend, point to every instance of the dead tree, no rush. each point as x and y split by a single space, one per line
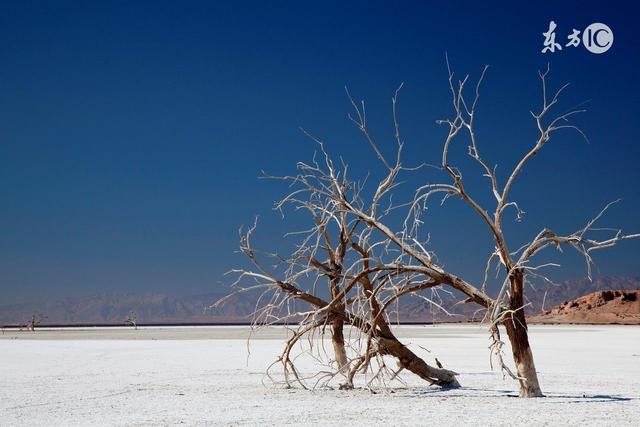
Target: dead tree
375 259
36 320
132 320
508 307
357 290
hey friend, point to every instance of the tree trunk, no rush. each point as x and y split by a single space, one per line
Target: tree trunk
516 326
337 338
409 360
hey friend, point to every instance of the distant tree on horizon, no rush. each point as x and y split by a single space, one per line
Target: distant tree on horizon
132 320
36 320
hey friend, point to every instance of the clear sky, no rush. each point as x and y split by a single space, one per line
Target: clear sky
132 133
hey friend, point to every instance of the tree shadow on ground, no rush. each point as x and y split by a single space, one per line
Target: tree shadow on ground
588 398
549 397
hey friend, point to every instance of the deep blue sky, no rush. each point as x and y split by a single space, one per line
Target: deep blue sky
131 133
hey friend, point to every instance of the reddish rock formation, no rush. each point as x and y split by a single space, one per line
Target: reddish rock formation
603 307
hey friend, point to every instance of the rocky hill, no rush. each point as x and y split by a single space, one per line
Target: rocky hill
614 306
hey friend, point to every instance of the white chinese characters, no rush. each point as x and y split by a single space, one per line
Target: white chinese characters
596 38
550 44
574 39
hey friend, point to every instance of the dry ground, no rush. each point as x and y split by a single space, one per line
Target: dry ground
202 376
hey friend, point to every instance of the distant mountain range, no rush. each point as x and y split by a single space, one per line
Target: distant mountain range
110 308
538 299
161 308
